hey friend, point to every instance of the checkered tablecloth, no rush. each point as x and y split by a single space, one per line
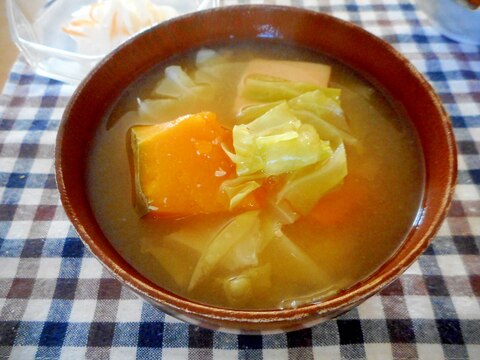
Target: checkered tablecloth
56 300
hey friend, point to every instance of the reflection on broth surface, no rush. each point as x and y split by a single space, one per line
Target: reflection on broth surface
258 239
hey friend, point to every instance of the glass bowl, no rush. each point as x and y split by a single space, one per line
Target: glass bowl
36 28
458 20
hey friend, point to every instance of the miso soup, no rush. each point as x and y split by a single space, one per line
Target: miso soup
255 178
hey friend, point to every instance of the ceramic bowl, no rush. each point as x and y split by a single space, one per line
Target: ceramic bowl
368 55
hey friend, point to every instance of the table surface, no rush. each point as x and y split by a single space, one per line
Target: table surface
56 300
9 51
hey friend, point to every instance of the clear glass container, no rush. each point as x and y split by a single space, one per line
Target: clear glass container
456 19
36 28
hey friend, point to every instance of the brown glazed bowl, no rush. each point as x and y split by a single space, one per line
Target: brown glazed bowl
371 57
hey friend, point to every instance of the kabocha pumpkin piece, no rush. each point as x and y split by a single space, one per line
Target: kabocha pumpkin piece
179 166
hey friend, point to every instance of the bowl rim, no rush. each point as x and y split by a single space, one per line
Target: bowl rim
339 302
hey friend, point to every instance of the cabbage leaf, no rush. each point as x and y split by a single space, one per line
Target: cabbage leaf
326 130
324 103
237 189
207 57
165 99
319 107
263 88
240 228
305 187
177 84
251 112
253 281
276 143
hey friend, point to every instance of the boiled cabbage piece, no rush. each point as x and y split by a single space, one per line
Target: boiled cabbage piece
265 88
302 137
242 229
314 105
208 57
228 249
324 103
276 143
177 84
251 112
304 188
254 281
314 74
238 188
178 252
182 91
175 95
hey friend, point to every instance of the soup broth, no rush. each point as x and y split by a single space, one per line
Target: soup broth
352 230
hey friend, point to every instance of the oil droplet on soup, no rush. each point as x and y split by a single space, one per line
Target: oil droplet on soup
219 258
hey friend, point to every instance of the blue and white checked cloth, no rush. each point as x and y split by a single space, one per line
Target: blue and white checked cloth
56 301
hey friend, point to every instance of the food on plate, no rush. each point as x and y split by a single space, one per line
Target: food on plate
100 27
255 178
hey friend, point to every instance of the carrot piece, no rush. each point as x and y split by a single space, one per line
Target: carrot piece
337 206
180 165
